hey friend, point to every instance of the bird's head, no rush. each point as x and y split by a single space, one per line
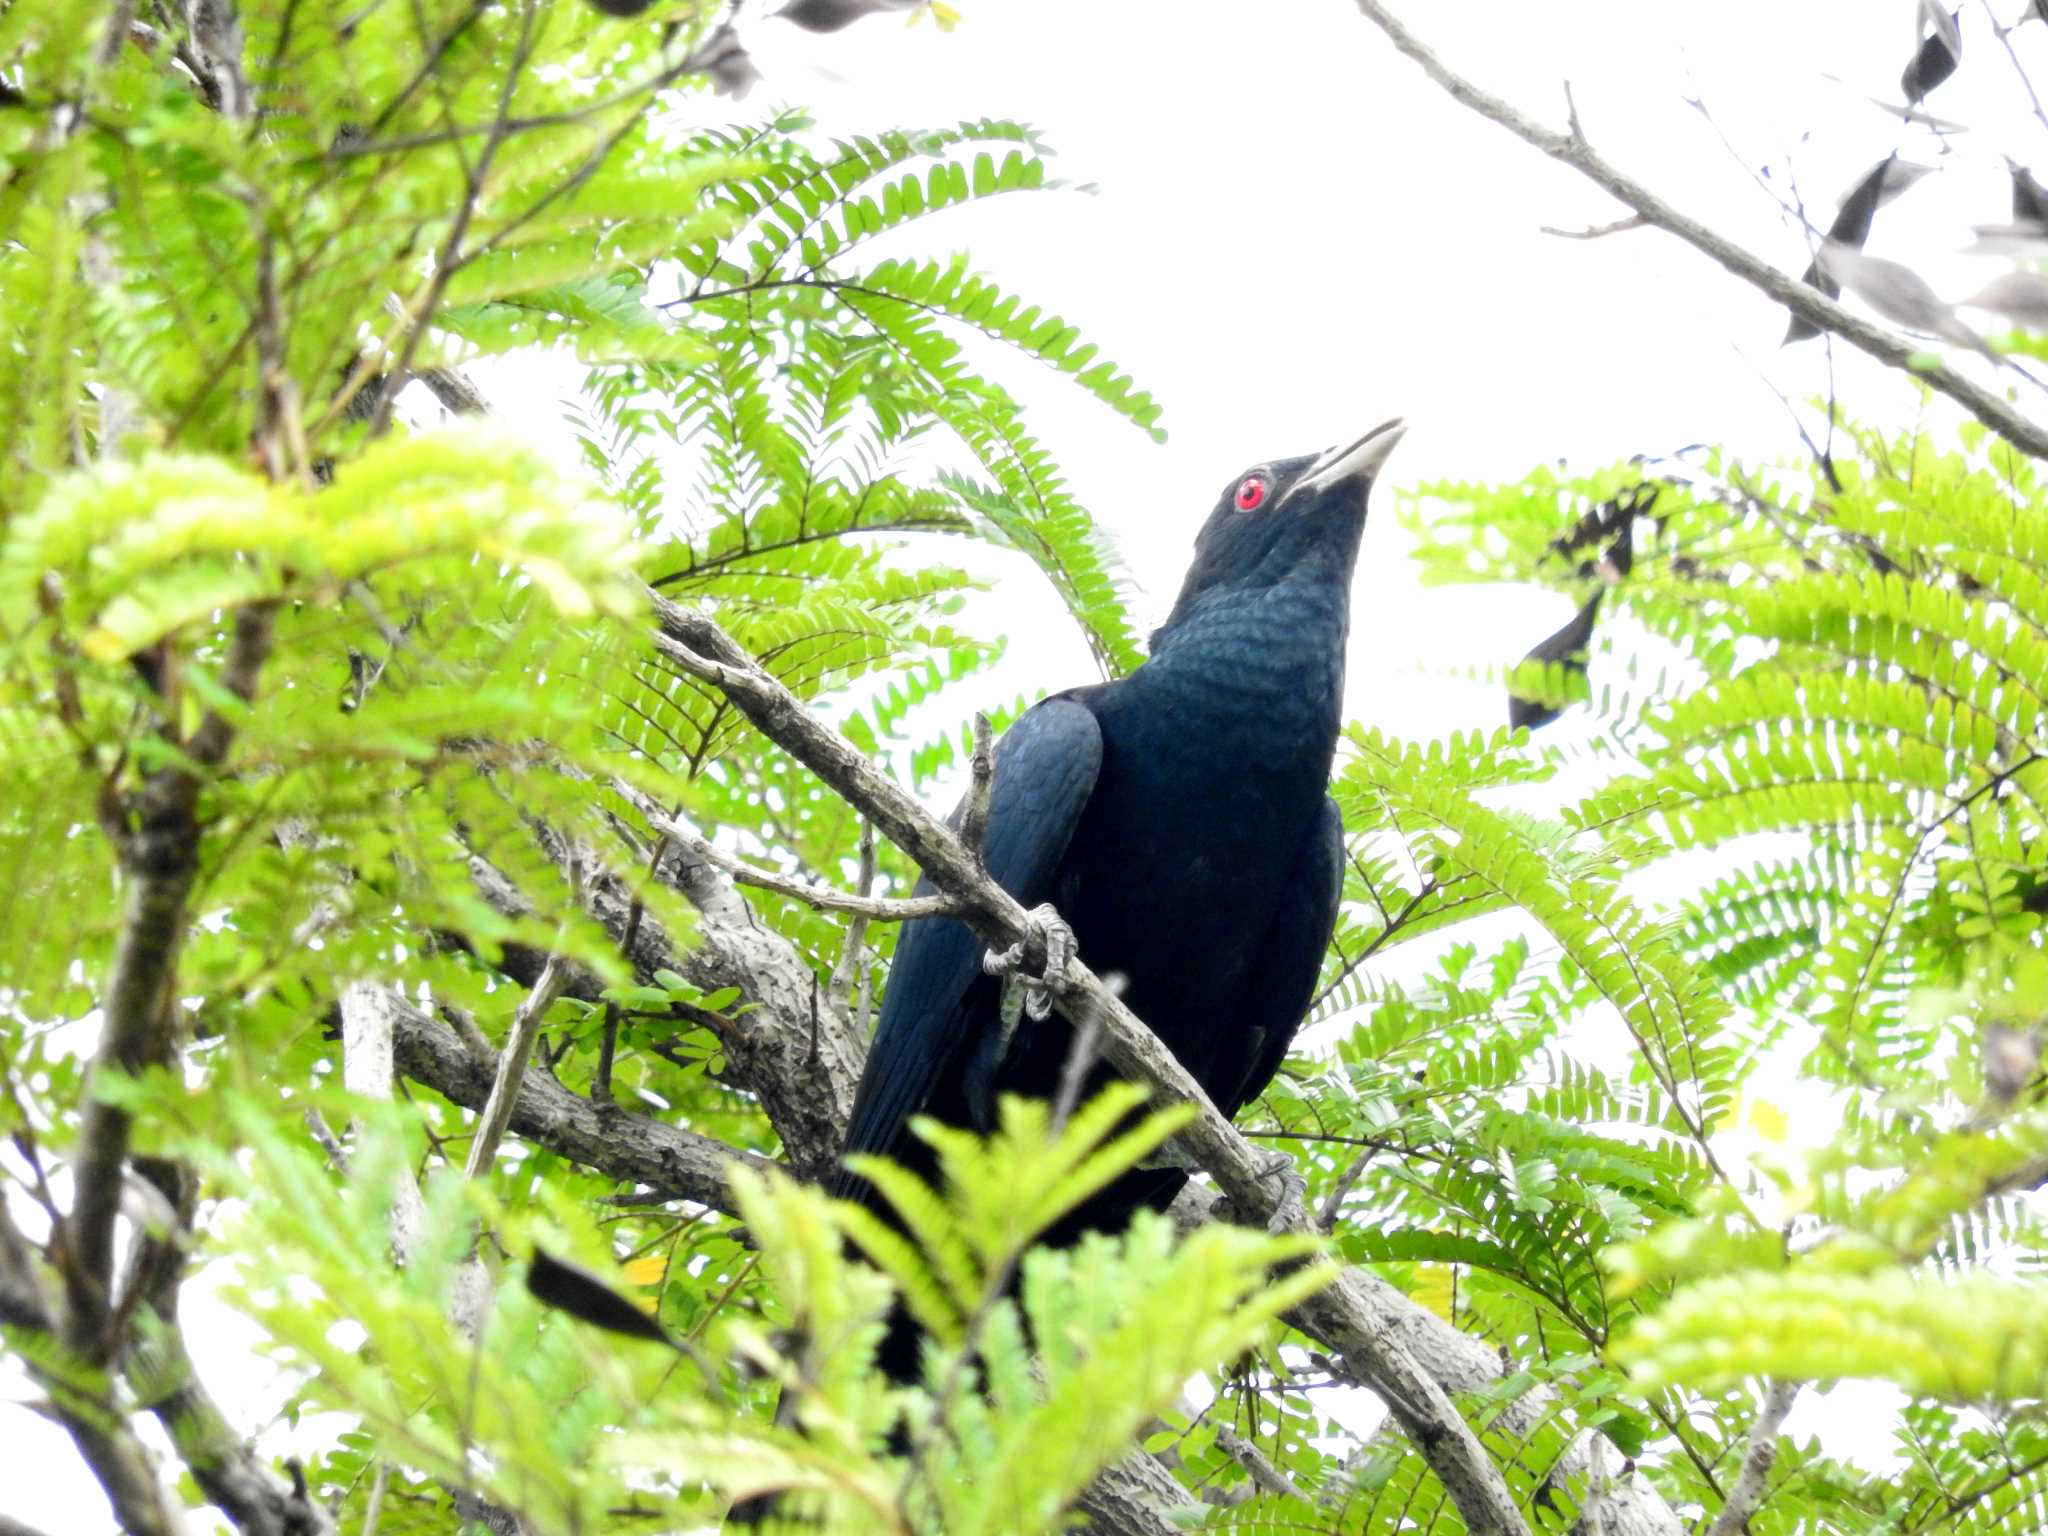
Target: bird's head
1285 520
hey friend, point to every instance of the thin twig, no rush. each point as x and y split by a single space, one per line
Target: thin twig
881 909
1081 1055
1258 1466
853 953
1597 231
497 1112
608 1043
323 1133
980 786
451 256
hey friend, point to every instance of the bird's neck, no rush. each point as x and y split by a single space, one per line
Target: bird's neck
1273 658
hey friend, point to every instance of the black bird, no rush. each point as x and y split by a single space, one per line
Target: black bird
1178 820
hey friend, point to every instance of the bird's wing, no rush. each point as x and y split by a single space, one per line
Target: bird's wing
1296 940
1045 769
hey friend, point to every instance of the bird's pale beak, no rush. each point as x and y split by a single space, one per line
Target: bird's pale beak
1359 461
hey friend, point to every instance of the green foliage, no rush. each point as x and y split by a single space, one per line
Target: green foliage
1006 1435
205 315
1844 732
560 1422
1795 855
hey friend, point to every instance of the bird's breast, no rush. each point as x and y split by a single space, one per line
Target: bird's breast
1207 791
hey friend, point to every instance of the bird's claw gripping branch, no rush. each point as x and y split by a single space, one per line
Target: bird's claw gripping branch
1033 968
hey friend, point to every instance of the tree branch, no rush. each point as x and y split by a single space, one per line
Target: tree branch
877 909
226 1470
1810 304
681 1164
159 859
795 1050
1754 1480
853 957
1258 1465
496 1114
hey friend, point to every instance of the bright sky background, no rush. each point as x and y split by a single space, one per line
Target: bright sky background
1296 236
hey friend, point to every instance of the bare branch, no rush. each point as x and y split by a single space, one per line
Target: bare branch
159 858
1081 1054
681 1164
876 909
853 958
497 1110
1133 1497
795 1049
608 1041
980 786
1264 1475
1754 1479
1810 303
369 1022
1597 231
226 1470
122 1466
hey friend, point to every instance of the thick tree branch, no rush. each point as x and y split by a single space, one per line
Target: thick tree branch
118 1460
795 1050
1134 1497
1570 147
159 858
228 1472
679 1164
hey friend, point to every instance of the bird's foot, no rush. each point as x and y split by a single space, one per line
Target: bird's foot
1056 941
1274 1164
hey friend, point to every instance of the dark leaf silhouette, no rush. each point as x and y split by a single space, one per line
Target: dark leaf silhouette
1936 57
576 1291
2022 242
1599 526
2029 197
2021 297
730 67
1615 520
1880 185
1566 648
1898 293
831 15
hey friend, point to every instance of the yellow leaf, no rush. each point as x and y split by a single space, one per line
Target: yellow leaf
1770 1121
648 1270
1435 1288
569 595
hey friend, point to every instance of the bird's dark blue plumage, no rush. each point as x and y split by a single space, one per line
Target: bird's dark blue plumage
1178 820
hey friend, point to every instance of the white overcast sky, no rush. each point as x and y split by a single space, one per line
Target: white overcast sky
1295 236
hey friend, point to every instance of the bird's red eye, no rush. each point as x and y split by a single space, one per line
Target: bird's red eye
1251 490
